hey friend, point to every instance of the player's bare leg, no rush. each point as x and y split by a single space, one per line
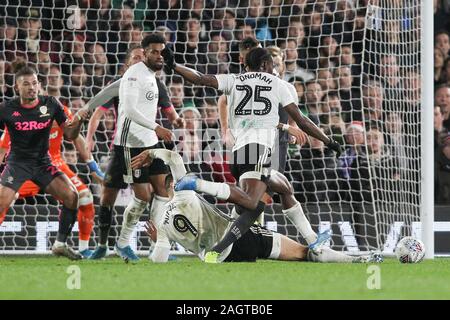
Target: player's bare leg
62 188
131 215
7 196
255 189
278 183
291 250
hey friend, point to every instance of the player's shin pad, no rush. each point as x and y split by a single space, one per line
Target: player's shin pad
328 255
131 216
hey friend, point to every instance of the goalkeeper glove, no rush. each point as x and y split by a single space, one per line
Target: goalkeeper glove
93 166
169 59
335 146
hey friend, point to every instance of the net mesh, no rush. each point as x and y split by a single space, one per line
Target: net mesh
355 65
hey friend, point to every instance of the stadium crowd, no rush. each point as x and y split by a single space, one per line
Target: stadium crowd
354 88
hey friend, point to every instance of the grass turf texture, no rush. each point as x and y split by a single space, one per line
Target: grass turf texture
29 277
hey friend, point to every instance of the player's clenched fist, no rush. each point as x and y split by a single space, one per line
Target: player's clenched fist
164 134
143 159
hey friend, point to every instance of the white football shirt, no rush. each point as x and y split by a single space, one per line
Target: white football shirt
253 100
194 223
139 90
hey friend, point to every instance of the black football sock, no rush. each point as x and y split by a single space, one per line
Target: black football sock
66 221
240 226
105 220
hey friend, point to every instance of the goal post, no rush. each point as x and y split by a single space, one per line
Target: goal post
427 176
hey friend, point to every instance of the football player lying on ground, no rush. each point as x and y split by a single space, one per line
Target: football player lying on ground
198 226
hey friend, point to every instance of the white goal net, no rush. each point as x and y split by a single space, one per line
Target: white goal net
355 65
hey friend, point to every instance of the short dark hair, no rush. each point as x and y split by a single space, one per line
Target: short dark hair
130 50
152 38
248 43
25 71
168 181
256 57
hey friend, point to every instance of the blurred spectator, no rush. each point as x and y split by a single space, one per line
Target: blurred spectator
389 72
373 98
292 68
33 40
6 89
9 45
76 104
396 139
313 173
210 114
313 97
442 99
256 16
74 54
354 147
176 87
217 58
330 106
442 41
300 86
188 46
349 95
190 140
120 36
439 58
440 131
384 171
326 80
77 84
98 67
55 84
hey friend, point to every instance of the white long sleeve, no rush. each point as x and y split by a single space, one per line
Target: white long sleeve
107 93
161 251
130 103
172 159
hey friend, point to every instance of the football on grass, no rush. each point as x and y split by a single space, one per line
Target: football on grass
410 250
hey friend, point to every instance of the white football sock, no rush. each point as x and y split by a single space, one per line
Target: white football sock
83 245
131 217
328 255
158 208
59 244
298 218
217 189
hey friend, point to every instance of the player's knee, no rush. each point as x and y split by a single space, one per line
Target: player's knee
71 199
86 198
108 197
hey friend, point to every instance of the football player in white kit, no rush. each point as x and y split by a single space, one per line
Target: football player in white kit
137 130
253 118
197 225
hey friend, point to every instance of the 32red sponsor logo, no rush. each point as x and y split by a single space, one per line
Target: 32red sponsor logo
31 125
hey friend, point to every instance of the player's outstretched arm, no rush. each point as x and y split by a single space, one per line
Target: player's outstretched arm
73 127
311 129
92 127
161 251
86 156
107 93
196 77
189 74
172 159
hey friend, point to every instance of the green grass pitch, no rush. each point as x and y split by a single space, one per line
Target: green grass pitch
28 277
